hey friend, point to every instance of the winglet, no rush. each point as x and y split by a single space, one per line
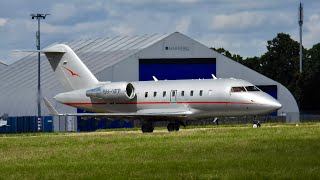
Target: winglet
51 109
154 78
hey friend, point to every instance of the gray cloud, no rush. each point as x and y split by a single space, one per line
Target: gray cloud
3 21
248 20
241 26
312 29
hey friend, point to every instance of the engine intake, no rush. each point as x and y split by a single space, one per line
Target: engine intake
114 92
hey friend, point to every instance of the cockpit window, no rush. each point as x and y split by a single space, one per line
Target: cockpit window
252 88
238 89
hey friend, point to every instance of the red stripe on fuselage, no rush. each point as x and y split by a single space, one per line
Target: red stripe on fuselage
215 103
104 103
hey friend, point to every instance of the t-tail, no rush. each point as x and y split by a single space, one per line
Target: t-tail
69 69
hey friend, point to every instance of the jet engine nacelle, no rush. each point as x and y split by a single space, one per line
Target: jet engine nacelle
114 92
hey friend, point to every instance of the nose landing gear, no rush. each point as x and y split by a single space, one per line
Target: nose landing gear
256 123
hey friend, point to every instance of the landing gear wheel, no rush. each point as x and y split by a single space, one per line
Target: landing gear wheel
176 126
173 127
147 128
256 124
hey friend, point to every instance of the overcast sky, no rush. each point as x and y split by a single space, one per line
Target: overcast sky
240 26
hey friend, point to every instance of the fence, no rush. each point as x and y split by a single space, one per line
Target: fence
27 124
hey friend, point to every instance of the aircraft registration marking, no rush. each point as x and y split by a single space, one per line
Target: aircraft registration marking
109 91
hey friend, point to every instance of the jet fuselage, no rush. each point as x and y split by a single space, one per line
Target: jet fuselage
204 98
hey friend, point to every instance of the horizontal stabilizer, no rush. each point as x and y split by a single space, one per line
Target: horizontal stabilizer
52 49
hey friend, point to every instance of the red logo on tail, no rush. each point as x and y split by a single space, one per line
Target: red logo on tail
72 73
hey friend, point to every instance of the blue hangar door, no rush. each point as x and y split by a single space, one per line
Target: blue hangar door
172 69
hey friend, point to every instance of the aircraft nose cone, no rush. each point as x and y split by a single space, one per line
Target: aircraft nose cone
274 104
270 104
277 105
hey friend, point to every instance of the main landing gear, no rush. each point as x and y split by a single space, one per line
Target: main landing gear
175 126
147 127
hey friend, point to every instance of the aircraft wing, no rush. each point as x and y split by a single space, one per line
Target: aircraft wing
141 113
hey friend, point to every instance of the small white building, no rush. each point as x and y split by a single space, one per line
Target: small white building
131 58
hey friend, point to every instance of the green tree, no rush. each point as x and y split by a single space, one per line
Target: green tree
281 63
235 57
310 82
252 63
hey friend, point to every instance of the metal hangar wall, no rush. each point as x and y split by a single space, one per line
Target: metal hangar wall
2 66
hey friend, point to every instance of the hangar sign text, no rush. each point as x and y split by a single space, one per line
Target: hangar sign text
177 48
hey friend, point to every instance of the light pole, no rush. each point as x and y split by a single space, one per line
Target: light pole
39 17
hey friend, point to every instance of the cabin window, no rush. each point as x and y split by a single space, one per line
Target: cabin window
182 93
173 93
191 93
154 94
164 93
252 88
200 93
238 89
210 92
146 94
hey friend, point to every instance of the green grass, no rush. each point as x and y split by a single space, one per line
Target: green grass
270 152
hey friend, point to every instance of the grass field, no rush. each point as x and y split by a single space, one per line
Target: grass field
272 152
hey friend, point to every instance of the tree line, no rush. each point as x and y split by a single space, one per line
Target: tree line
281 63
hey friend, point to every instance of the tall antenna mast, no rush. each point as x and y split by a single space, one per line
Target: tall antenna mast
300 28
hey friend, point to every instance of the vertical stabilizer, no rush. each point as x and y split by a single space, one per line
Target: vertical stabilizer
70 70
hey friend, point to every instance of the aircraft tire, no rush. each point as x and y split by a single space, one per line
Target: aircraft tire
171 127
147 128
176 126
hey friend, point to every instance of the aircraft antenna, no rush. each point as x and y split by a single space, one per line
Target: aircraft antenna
154 78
